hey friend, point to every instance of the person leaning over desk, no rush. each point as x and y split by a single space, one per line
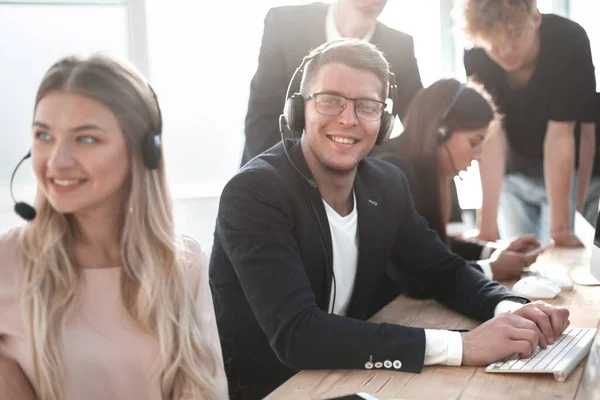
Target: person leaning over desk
99 298
445 128
539 70
304 232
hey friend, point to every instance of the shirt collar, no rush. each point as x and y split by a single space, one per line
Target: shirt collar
332 32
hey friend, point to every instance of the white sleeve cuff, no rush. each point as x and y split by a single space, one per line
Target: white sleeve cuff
506 306
486 252
487 268
443 347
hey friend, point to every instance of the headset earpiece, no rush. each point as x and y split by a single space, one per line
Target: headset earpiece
152 150
151 146
387 118
385 128
444 131
293 113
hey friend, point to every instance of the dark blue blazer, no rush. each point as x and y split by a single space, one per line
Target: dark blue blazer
271 279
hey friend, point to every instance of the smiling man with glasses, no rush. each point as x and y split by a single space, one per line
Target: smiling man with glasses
304 234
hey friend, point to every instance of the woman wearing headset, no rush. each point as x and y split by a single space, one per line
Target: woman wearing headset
99 298
444 129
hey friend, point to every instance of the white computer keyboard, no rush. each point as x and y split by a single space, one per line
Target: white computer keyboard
555 272
559 358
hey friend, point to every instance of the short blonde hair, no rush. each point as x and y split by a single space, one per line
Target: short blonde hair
483 19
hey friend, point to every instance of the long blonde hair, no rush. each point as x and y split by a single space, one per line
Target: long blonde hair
154 260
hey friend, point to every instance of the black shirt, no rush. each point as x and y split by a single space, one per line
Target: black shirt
562 88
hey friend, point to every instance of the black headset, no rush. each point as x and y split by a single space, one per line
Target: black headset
444 131
293 111
151 154
152 148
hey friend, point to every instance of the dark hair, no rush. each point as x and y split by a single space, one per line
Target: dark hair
353 53
418 144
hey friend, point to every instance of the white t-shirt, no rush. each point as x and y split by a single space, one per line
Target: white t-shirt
344 238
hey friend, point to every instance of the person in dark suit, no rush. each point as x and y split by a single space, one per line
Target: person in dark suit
444 130
305 230
290 32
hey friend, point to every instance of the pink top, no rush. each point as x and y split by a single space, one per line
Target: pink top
106 355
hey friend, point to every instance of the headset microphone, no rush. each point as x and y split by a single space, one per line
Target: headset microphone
282 124
456 171
22 209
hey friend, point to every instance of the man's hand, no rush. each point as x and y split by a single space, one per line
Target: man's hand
551 320
13 382
498 338
519 332
565 239
509 264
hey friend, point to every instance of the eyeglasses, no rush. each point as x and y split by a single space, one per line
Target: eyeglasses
334 104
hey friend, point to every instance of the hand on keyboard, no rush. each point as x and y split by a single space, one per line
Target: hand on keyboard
551 320
518 332
500 337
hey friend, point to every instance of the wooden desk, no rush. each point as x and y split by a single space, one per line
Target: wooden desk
440 382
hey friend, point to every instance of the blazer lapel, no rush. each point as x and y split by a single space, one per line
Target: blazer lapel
371 261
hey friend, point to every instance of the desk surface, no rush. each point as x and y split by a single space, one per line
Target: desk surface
441 382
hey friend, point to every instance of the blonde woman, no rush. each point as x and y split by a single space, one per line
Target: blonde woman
99 299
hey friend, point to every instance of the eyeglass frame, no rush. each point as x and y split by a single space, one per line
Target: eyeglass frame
354 99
